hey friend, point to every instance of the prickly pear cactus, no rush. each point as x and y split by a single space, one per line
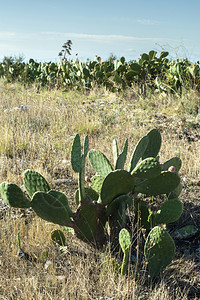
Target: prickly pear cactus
138 152
13 195
161 184
159 250
90 194
125 243
115 184
51 209
144 217
57 237
89 222
185 232
121 158
34 181
148 168
100 163
62 197
154 144
76 157
170 211
96 183
174 161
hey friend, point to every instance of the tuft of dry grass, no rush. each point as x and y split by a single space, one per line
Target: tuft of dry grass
40 138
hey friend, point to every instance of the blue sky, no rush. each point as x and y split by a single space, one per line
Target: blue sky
38 29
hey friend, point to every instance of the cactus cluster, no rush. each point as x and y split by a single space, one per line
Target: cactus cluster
102 204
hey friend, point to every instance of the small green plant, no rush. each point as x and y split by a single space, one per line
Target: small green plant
125 243
102 204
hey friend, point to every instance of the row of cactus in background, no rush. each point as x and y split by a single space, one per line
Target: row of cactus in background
150 71
102 205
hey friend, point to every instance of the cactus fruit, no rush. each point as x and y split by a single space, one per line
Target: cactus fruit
170 211
159 250
34 181
125 243
13 195
171 169
174 161
87 179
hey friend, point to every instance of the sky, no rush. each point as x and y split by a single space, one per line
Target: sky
38 29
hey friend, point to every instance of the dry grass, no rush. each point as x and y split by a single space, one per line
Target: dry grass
40 138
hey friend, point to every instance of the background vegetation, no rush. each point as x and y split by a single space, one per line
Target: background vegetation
42 107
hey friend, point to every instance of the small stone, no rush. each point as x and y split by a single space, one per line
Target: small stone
48 264
186 252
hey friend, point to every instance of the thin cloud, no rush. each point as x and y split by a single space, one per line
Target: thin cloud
148 22
99 37
19 36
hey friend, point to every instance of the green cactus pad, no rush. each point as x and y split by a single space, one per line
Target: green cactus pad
185 232
161 184
89 222
114 205
60 196
115 184
159 250
68 229
124 240
174 161
96 183
148 168
120 162
50 208
115 151
144 217
176 192
13 195
124 151
76 158
170 211
34 182
57 237
90 194
86 146
138 152
99 163
125 243
154 144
